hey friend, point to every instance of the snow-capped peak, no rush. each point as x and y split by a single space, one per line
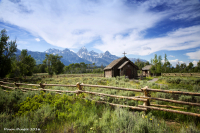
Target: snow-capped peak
107 53
82 51
83 47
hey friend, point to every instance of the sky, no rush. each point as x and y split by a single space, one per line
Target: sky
141 28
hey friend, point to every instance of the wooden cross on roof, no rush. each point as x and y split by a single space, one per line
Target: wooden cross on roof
124 53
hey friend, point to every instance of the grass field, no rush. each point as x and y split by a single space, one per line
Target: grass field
51 112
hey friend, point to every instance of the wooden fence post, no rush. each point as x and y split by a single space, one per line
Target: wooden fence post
42 86
78 85
146 94
16 85
5 79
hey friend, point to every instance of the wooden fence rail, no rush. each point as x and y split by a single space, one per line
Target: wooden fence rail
175 92
145 99
169 100
170 110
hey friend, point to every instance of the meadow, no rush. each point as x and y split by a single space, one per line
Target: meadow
41 111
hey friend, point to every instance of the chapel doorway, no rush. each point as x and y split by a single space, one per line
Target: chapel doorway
128 73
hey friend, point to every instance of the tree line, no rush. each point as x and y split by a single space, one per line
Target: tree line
83 68
159 66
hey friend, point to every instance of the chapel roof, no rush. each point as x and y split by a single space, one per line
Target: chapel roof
147 67
115 62
126 62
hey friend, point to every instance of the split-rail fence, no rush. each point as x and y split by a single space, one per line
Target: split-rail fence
145 98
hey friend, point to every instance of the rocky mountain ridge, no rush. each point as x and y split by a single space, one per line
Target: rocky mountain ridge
83 55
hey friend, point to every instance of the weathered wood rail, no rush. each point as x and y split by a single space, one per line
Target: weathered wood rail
145 99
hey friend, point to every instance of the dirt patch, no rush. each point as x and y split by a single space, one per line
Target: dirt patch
173 125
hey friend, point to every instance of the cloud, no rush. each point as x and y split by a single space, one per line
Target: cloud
176 61
181 39
194 55
37 39
194 63
118 25
189 10
171 56
185 16
146 48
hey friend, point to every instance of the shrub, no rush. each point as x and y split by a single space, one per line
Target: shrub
126 80
95 81
164 87
185 98
169 81
190 129
10 101
43 116
164 95
117 77
187 82
177 81
197 81
196 88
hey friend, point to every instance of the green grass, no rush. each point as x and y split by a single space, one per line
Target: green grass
148 78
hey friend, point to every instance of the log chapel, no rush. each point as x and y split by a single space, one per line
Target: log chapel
121 67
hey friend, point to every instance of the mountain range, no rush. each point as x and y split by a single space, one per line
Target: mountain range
83 55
